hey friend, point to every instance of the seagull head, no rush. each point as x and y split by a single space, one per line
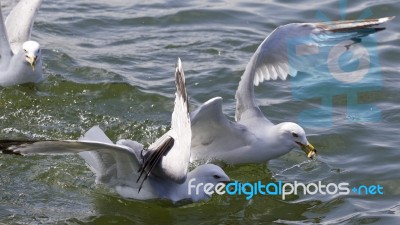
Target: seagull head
205 174
32 53
296 137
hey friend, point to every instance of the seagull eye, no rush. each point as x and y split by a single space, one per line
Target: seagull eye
295 135
25 51
216 177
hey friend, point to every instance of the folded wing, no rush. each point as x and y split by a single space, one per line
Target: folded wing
212 131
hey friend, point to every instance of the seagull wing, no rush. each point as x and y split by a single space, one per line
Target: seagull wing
170 154
19 22
5 49
272 57
212 131
113 164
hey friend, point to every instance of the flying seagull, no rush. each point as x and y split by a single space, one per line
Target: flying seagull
161 171
253 138
20 57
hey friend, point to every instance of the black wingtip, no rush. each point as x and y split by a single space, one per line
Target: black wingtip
10 146
10 152
151 159
180 82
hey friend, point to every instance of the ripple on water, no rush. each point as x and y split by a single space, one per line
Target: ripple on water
110 63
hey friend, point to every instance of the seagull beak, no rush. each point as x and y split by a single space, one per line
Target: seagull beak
32 61
309 149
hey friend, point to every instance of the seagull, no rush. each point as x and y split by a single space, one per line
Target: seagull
126 165
253 138
20 57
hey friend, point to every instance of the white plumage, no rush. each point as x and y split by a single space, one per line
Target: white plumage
253 138
159 172
20 57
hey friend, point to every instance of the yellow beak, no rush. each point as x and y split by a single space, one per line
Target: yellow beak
310 151
32 61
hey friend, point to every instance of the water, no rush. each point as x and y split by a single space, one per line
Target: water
111 64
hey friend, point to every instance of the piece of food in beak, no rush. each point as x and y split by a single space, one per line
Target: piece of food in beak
310 151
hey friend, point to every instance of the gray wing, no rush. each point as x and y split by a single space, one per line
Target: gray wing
170 154
212 131
113 164
271 59
5 49
108 166
19 22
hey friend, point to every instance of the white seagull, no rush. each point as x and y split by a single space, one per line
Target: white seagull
20 57
253 138
126 166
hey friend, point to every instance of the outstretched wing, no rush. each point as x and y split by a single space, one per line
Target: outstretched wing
19 22
213 132
113 164
108 166
271 59
5 49
170 154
